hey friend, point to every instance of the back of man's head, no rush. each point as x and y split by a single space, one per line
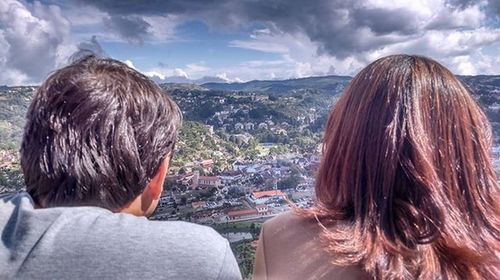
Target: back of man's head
97 132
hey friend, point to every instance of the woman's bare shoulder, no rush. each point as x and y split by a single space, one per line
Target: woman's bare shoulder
291 224
294 250
289 218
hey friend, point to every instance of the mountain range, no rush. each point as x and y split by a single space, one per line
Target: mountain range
324 83
482 84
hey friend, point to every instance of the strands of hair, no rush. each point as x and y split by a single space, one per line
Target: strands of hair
406 186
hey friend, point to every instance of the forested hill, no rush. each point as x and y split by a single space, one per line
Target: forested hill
330 84
305 92
485 88
481 84
225 121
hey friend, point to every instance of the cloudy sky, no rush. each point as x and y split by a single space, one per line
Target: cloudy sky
183 40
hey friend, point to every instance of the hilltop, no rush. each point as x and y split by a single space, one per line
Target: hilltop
485 88
481 85
330 84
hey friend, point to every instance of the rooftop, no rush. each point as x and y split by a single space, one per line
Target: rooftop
268 193
242 212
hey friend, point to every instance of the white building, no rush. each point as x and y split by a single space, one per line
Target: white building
249 126
238 126
264 197
209 181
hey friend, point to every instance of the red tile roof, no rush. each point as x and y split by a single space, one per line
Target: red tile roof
244 212
268 193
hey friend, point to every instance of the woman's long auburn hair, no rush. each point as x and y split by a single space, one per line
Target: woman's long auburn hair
406 187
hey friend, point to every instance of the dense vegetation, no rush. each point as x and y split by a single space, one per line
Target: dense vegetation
289 114
14 103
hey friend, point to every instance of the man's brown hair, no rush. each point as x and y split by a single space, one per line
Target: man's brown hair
96 134
406 187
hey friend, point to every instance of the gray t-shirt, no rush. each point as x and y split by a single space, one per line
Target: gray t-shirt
94 243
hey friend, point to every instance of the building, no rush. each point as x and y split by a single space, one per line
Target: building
165 202
185 179
262 209
240 166
242 214
259 210
263 197
263 126
207 164
249 126
210 129
195 179
209 181
239 126
281 131
198 204
228 180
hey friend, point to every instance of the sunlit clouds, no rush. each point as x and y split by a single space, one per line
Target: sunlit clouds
231 41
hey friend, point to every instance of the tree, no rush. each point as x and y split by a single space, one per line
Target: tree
218 168
289 182
183 200
254 230
169 184
273 98
234 192
200 170
295 170
212 191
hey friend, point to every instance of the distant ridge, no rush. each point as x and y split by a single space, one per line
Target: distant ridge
480 84
324 83
483 84
182 86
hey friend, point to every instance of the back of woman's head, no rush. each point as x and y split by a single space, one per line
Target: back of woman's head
406 167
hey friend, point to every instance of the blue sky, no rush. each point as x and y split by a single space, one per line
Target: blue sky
196 43
225 40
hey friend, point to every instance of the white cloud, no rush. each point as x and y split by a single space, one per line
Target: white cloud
421 7
464 65
153 74
33 41
447 18
180 73
455 37
258 45
84 16
91 21
162 28
300 57
129 63
223 76
36 38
